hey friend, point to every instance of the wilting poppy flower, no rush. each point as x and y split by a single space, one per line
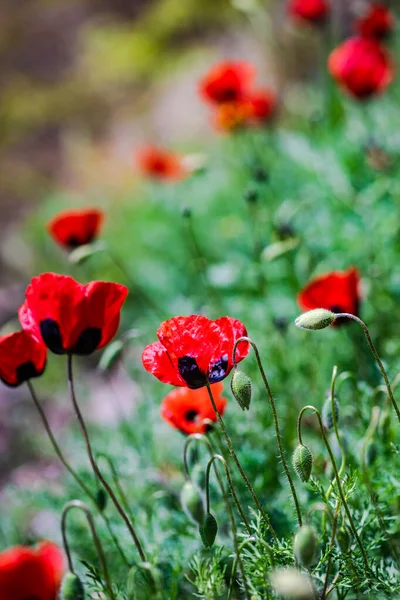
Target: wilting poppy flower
31 573
69 317
362 67
227 81
313 11
22 357
377 22
162 164
187 409
73 228
338 291
194 350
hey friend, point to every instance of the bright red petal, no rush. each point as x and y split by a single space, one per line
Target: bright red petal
232 330
52 559
21 358
157 361
337 291
104 301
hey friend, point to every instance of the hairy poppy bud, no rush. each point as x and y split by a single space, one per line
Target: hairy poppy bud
143 582
302 462
319 318
343 540
292 584
327 416
72 588
101 499
208 530
241 389
192 502
305 544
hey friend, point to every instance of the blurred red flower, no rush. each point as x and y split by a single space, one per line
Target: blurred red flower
227 81
73 228
377 22
194 350
22 357
263 105
256 109
69 317
31 573
187 409
338 291
313 11
161 164
362 67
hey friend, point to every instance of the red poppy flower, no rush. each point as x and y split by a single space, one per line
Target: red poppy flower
69 317
313 11
194 350
263 104
31 574
73 228
227 81
362 67
161 164
22 357
378 22
338 291
231 116
187 409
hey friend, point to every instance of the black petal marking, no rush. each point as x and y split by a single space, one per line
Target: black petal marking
88 341
190 372
191 415
51 335
218 370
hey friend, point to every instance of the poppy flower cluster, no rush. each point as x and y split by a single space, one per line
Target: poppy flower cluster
229 88
73 228
309 11
190 411
31 573
159 163
194 351
337 291
377 22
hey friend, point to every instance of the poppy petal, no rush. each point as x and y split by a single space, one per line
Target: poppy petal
52 558
22 357
104 301
232 330
73 228
157 361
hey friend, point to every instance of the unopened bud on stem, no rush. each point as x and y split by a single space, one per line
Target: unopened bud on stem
320 318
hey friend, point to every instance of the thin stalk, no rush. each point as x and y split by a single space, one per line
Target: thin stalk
94 465
336 430
74 474
237 557
81 506
239 466
275 417
376 356
339 485
117 483
331 546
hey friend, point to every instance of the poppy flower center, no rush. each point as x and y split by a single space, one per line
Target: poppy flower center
190 372
191 415
87 342
26 371
73 241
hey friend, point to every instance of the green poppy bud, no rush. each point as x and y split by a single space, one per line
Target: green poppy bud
305 545
72 588
208 530
315 319
144 582
241 389
327 416
192 502
302 462
101 499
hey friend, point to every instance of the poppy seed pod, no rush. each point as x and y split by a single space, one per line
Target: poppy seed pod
319 318
101 499
302 462
208 530
72 588
241 389
143 582
305 545
192 502
327 416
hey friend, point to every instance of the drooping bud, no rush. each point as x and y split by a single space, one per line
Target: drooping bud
72 588
302 462
101 499
305 545
318 318
292 584
208 530
192 503
327 416
241 389
143 582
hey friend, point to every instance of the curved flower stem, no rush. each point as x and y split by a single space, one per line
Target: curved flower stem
337 476
276 420
74 474
239 466
376 356
117 483
237 558
95 468
81 506
335 427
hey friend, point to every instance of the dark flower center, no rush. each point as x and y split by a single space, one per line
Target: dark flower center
191 415
73 242
190 372
87 343
218 370
26 371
